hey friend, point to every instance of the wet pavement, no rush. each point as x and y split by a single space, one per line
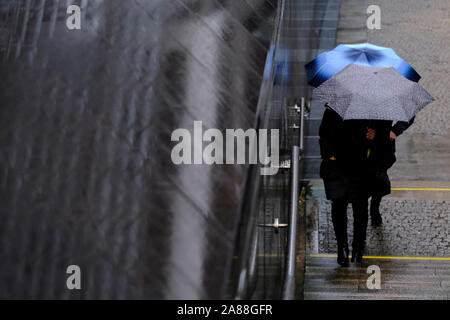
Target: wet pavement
418 30
416 214
416 222
399 280
411 227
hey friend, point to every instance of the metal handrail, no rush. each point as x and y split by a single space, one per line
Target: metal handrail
247 277
289 280
297 151
302 126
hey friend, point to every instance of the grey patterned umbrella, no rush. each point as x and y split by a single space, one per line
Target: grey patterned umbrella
362 92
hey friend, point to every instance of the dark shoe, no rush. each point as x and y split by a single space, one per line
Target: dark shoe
342 258
357 255
376 219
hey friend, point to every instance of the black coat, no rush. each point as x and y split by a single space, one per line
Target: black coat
355 172
401 126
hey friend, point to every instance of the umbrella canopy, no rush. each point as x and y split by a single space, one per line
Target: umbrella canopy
329 63
361 92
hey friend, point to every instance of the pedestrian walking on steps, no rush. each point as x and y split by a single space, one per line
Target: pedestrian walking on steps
351 153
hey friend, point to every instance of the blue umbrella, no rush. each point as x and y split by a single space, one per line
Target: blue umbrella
330 63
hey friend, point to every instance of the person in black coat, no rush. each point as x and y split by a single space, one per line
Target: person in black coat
381 179
351 152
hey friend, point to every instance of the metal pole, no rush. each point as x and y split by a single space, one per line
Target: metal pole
302 126
289 280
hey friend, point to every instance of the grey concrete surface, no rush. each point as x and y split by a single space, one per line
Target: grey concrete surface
418 31
423 155
414 228
400 280
416 222
352 22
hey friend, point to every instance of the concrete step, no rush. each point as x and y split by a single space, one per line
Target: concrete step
400 279
387 273
355 285
344 295
330 261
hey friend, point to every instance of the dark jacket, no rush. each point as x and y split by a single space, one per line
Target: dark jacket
351 173
380 183
383 158
331 135
402 126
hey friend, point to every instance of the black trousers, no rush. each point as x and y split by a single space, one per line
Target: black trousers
375 205
360 220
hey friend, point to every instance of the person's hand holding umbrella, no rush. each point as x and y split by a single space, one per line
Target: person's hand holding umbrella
370 135
393 136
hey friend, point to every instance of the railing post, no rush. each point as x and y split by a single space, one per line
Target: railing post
302 126
289 281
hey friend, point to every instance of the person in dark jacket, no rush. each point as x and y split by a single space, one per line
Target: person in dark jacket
350 152
382 184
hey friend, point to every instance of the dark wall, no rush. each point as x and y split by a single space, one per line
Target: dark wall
86 118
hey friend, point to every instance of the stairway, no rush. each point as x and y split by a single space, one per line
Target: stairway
400 280
413 242
415 223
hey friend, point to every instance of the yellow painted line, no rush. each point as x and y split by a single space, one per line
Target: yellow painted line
420 189
383 257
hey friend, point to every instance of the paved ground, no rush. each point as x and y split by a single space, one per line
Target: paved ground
416 222
399 280
418 30
411 228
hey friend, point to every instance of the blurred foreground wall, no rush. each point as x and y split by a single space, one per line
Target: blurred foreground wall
86 118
